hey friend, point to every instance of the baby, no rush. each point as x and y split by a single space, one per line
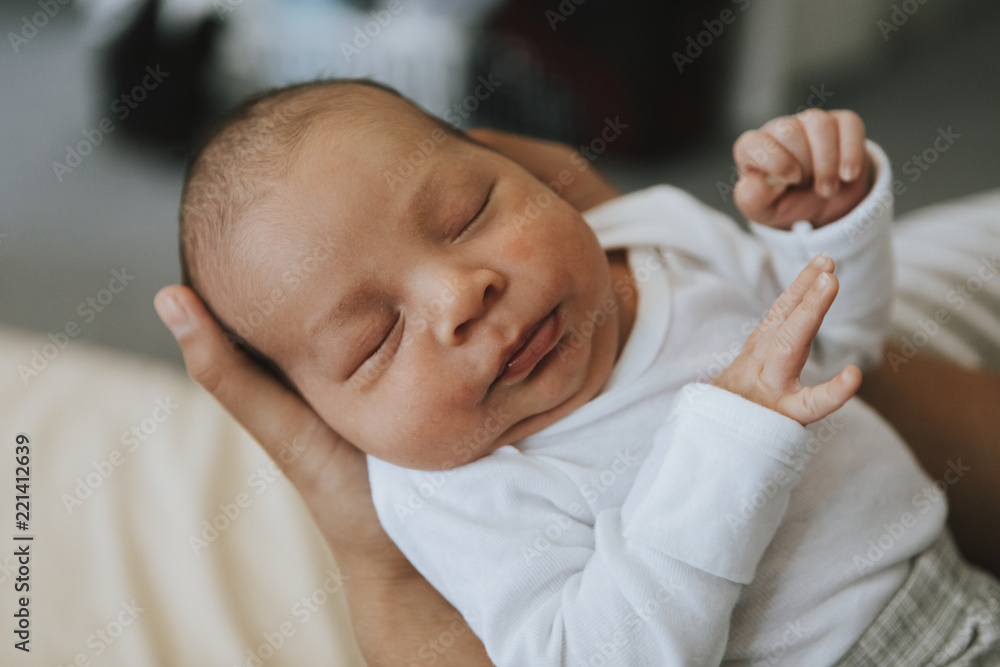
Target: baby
587 431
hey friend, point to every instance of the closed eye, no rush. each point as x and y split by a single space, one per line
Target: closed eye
478 214
383 347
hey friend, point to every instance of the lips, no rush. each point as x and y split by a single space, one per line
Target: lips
520 358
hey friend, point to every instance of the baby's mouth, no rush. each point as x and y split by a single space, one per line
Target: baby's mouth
535 343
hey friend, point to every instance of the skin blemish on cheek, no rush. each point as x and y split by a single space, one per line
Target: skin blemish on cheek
519 249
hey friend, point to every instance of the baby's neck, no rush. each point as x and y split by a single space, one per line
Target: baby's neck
627 299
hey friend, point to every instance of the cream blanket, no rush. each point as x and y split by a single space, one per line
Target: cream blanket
162 535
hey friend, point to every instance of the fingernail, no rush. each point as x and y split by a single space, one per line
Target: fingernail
776 182
824 279
820 259
826 191
847 173
173 315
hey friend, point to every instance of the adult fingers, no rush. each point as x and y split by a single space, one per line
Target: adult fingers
291 433
551 162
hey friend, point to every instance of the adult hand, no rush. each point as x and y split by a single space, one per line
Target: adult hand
328 471
568 173
393 609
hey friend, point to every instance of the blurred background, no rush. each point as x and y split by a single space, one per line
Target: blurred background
101 100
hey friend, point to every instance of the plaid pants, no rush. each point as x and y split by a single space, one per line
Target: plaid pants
946 613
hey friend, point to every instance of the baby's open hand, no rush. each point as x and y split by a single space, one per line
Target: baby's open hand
768 367
812 166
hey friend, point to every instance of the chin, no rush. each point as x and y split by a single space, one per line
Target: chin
446 461
572 396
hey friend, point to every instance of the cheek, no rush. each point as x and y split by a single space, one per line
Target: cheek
548 234
518 249
568 242
430 393
417 416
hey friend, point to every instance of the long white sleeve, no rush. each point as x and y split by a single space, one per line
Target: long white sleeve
658 577
860 244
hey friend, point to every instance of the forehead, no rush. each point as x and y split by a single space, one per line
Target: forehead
362 188
388 161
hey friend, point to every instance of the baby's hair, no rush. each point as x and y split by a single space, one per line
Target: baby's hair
237 163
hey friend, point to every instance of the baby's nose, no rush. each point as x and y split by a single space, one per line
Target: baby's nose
461 299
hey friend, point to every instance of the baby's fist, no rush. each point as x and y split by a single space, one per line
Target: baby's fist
812 166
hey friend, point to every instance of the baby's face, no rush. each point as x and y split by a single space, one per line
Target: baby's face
411 297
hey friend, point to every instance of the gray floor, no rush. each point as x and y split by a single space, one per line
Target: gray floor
117 210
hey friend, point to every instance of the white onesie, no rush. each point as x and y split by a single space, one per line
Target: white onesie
668 521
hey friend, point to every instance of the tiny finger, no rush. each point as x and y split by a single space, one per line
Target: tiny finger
794 293
824 142
810 404
755 197
758 152
790 133
792 340
852 144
